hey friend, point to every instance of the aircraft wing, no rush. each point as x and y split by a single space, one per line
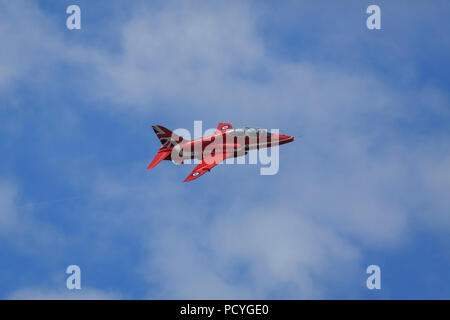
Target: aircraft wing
206 165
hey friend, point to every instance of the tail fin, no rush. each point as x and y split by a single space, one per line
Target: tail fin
167 138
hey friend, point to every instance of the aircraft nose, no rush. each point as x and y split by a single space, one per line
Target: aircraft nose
285 138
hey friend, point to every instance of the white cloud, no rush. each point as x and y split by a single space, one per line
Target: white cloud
343 189
346 186
29 44
199 248
62 294
282 246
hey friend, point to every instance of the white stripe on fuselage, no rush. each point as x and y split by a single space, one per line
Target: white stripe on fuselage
193 154
261 144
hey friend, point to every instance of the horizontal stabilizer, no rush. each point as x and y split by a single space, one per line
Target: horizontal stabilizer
160 156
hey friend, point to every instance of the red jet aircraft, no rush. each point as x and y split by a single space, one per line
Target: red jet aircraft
226 142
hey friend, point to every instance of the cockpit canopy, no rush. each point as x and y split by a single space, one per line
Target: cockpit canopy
248 132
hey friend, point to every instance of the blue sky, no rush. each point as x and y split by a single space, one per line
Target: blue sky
368 182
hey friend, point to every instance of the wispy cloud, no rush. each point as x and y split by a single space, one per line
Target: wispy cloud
369 170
